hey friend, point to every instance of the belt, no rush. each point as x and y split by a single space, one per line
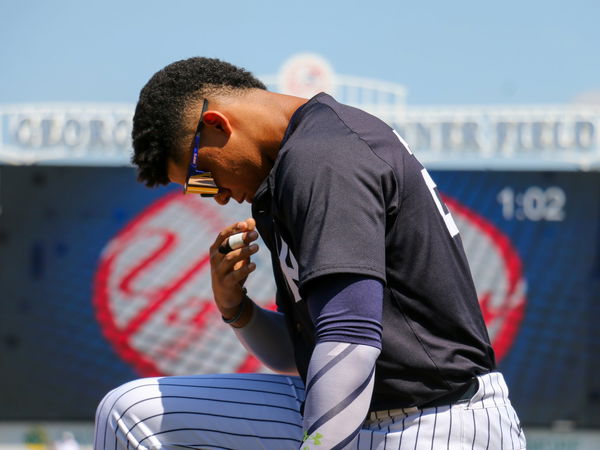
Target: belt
460 395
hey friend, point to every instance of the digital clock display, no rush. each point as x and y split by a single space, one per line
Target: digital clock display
534 203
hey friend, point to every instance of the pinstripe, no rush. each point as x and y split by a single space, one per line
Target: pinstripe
111 408
487 445
208 414
299 392
418 429
386 436
504 394
166 384
100 407
329 365
194 398
513 423
499 415
280 427
401 434
482 395
493 392
474 430
450 428
228 433
341 405
274 379
212 400
226 388
510 421
434 424
199 446
518 425
512 443
228 416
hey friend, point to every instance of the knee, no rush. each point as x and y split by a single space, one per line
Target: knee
116 411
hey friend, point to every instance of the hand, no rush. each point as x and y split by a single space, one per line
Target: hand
230 271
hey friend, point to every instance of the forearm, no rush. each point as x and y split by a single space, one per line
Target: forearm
338 393
266 336
346 310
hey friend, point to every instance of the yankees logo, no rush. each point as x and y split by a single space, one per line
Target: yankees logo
497 273
154 303
289 267
153 296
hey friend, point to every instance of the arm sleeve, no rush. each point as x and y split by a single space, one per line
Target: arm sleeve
346 308
338 393
266 337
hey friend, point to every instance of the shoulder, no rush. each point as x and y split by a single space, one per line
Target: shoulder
336 137
337 150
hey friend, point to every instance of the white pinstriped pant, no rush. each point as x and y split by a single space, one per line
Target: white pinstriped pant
262 411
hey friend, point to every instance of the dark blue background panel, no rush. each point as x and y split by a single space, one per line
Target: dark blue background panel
103 280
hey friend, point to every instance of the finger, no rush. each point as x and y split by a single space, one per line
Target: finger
236 241
229 260
241 274
238 265
225 233
233 242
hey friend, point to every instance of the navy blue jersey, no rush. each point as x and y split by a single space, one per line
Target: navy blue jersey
347 196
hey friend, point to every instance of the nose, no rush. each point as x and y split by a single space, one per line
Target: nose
223 196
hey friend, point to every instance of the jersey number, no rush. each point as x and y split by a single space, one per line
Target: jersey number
442 209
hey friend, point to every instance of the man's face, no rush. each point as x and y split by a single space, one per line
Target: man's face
232 157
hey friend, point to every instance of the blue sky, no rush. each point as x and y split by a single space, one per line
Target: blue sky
444 53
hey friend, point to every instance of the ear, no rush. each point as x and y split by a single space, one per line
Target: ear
218 120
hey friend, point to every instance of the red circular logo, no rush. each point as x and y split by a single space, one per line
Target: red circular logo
497 273
153 296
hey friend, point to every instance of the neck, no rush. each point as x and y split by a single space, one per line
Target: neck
267 116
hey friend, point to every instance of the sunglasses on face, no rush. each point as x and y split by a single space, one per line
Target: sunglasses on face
199 181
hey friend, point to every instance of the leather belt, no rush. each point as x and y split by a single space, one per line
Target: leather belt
461 395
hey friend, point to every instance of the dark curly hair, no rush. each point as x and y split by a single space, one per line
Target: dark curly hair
157 119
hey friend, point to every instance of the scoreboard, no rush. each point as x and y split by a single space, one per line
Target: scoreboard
103 280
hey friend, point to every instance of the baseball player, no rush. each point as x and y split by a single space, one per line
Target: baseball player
378 340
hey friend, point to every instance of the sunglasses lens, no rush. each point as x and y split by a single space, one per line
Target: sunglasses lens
201 184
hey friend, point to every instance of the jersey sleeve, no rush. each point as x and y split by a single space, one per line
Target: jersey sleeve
346 308
331 205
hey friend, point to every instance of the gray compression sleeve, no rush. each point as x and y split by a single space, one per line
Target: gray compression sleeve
266 336
338 394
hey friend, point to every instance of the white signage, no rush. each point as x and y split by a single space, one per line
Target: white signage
564 137
66 134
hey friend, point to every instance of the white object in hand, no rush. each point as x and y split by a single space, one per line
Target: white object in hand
233 242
